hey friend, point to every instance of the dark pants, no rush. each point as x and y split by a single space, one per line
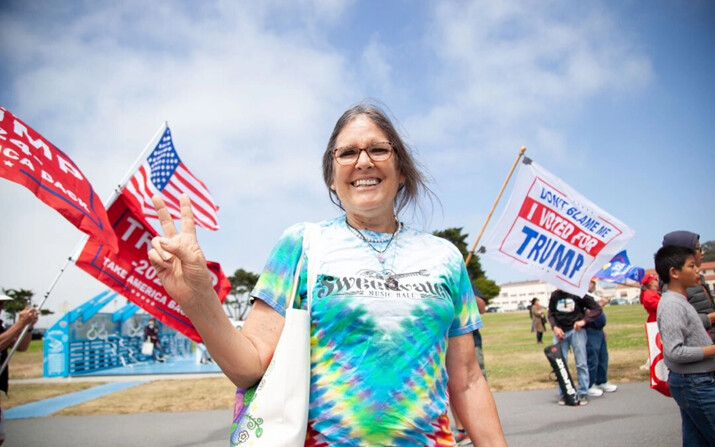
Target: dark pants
597 354
158 353
695 395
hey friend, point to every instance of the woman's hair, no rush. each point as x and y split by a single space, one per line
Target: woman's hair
415 186
534 300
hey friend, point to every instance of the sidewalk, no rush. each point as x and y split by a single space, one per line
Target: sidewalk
634 416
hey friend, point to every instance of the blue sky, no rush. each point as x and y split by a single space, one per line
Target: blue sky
614 97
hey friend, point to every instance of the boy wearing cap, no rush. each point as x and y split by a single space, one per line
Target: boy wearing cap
688 350
699 295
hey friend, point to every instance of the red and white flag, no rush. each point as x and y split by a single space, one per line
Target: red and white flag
130 273
165 174
554 233
27 158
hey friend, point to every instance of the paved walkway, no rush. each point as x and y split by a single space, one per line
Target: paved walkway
634 416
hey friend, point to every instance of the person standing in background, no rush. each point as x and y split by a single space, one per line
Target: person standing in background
568 317
538 320
8 337
597 349
650 295
151 333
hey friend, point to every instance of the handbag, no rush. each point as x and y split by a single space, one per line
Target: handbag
658 370
274 413
147 347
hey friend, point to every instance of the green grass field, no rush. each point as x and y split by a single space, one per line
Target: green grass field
513 362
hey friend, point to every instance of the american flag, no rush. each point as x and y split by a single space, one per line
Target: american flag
163 173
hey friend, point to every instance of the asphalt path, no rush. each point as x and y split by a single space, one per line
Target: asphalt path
634 416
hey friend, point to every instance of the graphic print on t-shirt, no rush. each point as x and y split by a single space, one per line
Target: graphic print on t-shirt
566 305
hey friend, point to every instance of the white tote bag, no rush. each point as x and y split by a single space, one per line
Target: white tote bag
275 412
147 347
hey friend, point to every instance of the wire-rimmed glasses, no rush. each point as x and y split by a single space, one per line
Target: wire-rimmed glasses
348 155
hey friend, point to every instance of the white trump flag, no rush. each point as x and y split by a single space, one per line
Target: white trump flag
551 231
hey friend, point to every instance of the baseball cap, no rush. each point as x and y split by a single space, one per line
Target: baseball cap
648 278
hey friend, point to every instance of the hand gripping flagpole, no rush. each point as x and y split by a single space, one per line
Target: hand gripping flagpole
83 239
474 247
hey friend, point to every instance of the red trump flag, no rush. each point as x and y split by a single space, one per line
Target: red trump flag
27 158
130 273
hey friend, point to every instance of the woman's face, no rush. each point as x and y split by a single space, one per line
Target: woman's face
653 284
366 189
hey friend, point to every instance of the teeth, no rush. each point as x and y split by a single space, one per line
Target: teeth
365 182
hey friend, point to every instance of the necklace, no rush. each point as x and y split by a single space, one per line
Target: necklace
389 276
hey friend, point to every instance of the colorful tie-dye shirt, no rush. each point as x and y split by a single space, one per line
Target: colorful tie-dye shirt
378 375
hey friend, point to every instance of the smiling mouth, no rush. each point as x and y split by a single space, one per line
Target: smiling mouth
365 182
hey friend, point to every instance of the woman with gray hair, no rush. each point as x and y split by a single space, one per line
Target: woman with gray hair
392 311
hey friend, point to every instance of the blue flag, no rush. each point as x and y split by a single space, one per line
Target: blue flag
619 269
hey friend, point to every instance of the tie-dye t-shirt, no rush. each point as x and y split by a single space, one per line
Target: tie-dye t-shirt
378 375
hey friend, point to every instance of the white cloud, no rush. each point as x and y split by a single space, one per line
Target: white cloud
242 100
510 64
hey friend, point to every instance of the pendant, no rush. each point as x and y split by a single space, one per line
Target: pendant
391 283
380 258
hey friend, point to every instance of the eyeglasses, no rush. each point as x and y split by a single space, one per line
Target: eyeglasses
349 155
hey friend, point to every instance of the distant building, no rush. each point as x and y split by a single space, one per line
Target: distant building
708 270
519 293
515 294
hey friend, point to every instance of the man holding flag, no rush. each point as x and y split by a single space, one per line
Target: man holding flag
568 316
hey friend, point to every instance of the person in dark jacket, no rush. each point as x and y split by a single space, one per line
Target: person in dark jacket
568 318
699 296
151 333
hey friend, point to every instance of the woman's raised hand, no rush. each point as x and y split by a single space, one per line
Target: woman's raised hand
177 258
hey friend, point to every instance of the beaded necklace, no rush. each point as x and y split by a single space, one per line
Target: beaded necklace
390 278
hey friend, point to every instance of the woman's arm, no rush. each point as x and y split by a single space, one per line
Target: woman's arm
180 265
470 396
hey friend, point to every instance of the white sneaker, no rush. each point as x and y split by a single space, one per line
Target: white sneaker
608 387
595 391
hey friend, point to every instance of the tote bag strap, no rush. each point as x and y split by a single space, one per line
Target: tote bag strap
310 238
311 246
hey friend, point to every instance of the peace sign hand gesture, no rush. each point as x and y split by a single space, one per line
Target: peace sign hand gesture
177 258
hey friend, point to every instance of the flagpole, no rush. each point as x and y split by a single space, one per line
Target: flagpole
117 190
80 244
474 247
27 327
140 159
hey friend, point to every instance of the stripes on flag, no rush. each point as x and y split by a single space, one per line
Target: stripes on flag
164 173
